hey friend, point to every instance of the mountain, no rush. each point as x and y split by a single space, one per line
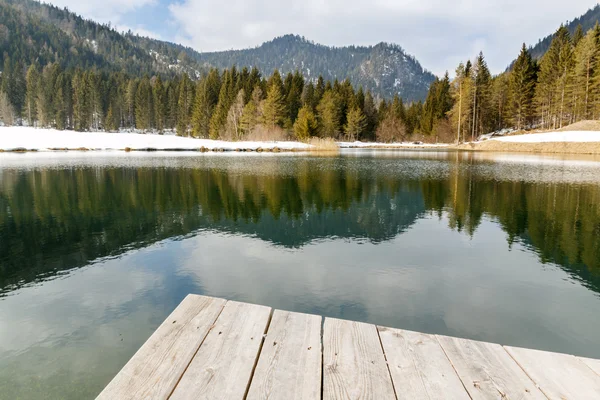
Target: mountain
587 21
32 32
384 69
35 32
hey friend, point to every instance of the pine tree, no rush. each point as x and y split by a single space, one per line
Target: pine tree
305 126
143 105
252 113
370 112
32 83
207 97
130 96
328 114
160 104
522 83
274 106
184 105
481 106
226 97
356 122
553 79
461 93
586 55
60 102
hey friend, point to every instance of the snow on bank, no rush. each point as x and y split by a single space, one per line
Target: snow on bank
355 145
12 138
553 137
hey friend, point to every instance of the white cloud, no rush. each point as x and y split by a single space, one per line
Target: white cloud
105 11
439 33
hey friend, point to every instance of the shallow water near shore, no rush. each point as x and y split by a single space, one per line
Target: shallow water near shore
97 249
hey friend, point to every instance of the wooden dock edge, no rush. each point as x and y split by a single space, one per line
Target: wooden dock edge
211 348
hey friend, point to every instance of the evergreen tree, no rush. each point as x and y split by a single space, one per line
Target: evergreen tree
356 123
305 126
226 97
370 112
160 104
32 82
60 102
461 93
328 114
274 106
252 113
143 105
184 105
522 89
207 97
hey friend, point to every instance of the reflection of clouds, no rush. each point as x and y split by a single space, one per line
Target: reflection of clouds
409 284
70 329
78 331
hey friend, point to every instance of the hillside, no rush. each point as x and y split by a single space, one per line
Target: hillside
587 21
384 69
34 32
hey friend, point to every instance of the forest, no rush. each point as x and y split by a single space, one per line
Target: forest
560 88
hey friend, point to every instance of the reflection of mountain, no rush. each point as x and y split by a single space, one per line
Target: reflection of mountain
381 218
52 220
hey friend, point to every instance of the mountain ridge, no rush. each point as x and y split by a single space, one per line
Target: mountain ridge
47 34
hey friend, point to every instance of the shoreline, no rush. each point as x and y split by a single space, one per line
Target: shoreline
25 139
496 146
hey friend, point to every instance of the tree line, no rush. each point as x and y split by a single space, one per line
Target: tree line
561 88
231 104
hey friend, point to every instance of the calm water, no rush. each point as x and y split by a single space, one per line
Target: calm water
96 250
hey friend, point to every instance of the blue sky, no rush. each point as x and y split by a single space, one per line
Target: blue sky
439 33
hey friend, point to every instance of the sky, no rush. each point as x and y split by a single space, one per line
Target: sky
439 33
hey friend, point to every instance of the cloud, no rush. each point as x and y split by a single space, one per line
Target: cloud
439 33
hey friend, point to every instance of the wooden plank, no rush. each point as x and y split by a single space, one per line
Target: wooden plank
593 364
155 369
419 367
559 376
289 366
223 366
488 371
354 366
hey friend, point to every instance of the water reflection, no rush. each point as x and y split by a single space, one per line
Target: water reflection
55 219
94 253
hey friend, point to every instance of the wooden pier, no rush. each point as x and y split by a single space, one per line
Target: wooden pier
211 348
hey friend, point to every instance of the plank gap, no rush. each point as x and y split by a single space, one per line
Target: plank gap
198 349
453 366
386 362
262 344
537 385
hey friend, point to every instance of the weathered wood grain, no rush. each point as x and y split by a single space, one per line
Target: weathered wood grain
223 366
154 370
488 371
593 364
354 366
559 376
289 366
419 367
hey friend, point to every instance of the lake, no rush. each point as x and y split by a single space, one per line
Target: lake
97 249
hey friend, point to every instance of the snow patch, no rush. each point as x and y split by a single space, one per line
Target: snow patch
12 138
549 137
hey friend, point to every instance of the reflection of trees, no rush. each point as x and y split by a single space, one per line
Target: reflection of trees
51 220
55 219
560 220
